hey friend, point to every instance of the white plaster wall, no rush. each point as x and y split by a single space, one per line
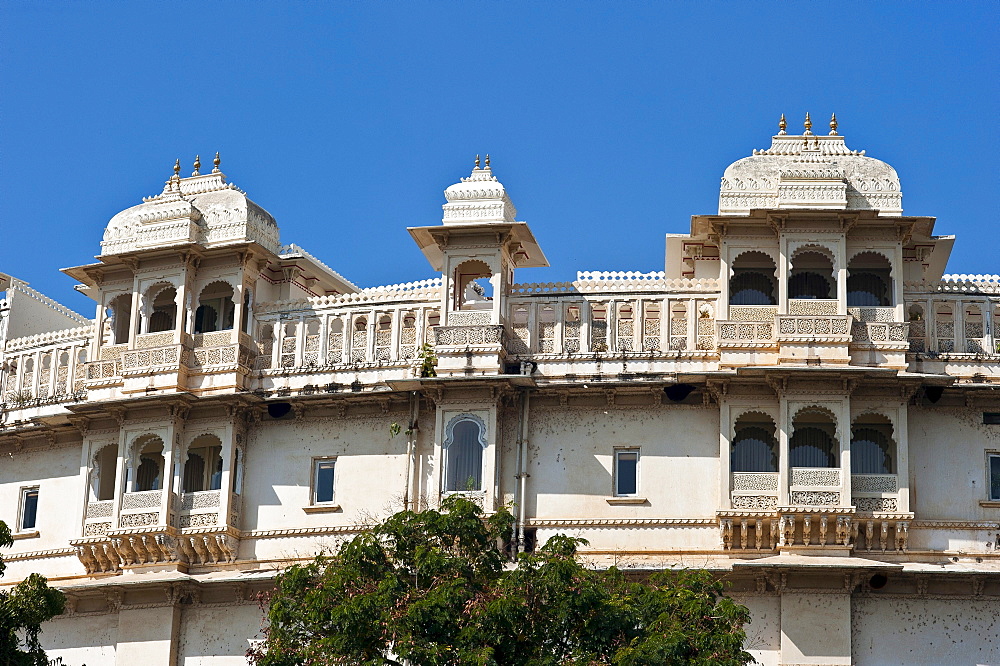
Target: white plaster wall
572 452
763 632
218 636
948 463
368 478
56 472
908 632
82 639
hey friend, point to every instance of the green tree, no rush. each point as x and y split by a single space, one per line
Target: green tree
23 609
434 589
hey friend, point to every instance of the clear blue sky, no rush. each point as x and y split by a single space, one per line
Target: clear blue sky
609 123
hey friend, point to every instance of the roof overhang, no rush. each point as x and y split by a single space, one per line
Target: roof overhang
515 236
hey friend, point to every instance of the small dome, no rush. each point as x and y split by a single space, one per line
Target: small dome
477 199
201 209
809 171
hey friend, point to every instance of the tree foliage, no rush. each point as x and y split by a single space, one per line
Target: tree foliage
23 609
433 589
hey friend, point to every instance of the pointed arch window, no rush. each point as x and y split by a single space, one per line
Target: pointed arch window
465 441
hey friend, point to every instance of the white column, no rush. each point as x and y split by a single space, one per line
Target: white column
844 457
902 437
783 269
783 462
725 446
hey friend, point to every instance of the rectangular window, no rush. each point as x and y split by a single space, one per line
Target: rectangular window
991 418
626 472
323 480
29 508
993 460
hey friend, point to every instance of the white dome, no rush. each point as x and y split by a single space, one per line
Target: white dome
809 171
477 199
202 209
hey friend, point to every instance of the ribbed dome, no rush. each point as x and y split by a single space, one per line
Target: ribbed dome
809 171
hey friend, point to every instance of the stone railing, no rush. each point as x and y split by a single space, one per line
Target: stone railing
958 284
161 357
879 333
98 518
875 493
595 282
836 528
813 327
468 336
52 339
814 486
812 306
746 334
765 313
754 490
199 509
421 291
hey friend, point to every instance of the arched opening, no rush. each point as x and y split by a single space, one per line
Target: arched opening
383 338
869 281
203 468
237 472
598 327
753 281
811 276
754 448
163 312
408 336
546 329
335 341
813 442
120 313
464 444
571 329
105 472
473 290
873 450
216 308
359 340
944 327
149 472
974 329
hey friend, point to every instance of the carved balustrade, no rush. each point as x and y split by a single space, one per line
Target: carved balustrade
814 486
157 545
45 368
875 493
143 509
754 490
814 328
563 323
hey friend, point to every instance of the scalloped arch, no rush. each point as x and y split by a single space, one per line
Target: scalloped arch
218 281
753 410
449 431
766 252
814 407
875 252
812 246
887 415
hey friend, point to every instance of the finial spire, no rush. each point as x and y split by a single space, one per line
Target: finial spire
477 160
216 162
808 124
833 125
782 125
197 166
487 160
177 168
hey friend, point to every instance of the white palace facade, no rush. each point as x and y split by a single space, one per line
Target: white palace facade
800 401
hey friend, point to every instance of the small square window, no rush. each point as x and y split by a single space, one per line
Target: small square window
323 480
626 472
29 509
993 462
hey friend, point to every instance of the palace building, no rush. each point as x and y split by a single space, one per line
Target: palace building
800 401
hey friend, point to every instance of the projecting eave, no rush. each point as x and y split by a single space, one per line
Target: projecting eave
516 236
780 218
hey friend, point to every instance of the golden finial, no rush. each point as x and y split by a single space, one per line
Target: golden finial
477 161
782 124
197 166
177 169
487 160
808 124
216 162
833 125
